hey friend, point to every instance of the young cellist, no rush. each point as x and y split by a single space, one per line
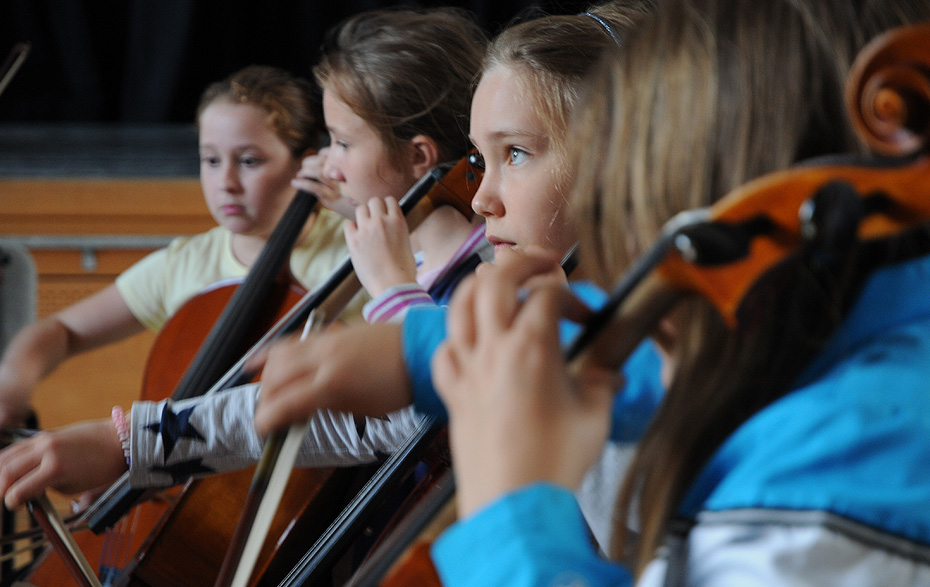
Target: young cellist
396 85
253 130
790 448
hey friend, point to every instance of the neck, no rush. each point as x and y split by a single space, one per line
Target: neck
440 235
247 248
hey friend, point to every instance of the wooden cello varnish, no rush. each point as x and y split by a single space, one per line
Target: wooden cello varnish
187 545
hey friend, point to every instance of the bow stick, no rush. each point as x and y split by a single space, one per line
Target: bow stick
271 476
12 64
62 540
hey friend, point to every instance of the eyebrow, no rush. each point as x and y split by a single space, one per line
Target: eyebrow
238 148
506 133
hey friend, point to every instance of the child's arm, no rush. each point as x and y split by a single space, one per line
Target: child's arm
172 441
359 368
169 442
536 536
39 348
59 459
522 430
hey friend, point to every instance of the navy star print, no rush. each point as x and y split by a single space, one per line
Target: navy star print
173 427
182 471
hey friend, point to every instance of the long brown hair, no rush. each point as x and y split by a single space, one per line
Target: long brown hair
702 97
407 73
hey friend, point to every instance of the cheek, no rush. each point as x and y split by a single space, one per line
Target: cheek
353 173
550 226
210 190
207 179
274 190
270 189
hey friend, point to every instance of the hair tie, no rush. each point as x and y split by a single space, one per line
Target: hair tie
122 429
606 26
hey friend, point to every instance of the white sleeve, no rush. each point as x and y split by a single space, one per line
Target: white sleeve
172 441
794 548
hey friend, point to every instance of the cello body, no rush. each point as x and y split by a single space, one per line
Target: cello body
187 544
202 340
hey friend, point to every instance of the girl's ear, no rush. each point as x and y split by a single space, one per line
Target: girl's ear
424 153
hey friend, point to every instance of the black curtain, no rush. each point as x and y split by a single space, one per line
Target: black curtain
146 61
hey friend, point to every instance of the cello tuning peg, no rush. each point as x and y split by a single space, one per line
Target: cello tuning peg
830 221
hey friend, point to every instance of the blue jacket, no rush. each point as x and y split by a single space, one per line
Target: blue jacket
424 330
830 485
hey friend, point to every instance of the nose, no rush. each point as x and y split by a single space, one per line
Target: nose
486 201
231 181
331 169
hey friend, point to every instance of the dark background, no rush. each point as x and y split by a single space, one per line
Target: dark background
147 61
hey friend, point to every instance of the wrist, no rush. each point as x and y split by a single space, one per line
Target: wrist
121 425
386 281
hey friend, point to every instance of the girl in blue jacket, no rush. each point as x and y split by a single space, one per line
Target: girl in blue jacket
789 450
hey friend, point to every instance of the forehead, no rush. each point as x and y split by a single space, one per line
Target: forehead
340 117
239 123
503 106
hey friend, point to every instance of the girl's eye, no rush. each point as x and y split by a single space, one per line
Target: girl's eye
476 160
518 156
210 161
338 143
249 161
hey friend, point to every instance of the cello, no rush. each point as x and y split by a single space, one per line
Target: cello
225 342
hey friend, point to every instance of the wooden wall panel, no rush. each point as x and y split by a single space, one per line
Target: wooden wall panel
89 385
102 206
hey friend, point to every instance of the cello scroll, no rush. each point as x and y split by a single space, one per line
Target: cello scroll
888 92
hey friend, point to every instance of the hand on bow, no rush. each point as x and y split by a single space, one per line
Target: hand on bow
516 414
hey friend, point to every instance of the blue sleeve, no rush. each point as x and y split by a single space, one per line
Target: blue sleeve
636 403
424 329
534 536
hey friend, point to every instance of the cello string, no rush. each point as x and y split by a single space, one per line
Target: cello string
23 549
106 550
126 553
114 541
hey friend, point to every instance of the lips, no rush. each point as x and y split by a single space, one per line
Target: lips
500 243
232 209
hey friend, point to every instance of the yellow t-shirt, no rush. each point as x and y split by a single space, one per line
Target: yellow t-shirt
158 285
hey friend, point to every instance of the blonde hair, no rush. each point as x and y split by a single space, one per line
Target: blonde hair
702 97
554 54
406 73
291 103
